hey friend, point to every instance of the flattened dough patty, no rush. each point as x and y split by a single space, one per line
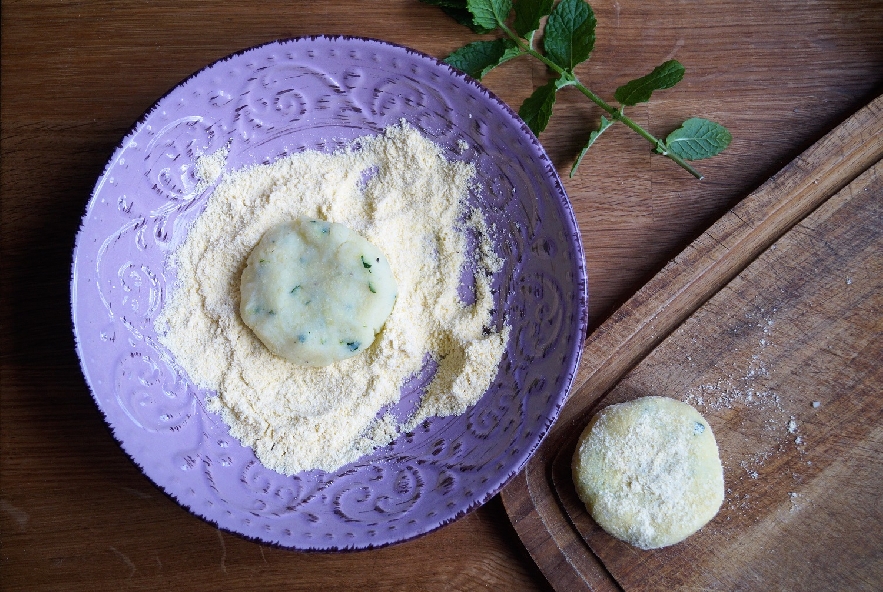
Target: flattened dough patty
316 292
649 472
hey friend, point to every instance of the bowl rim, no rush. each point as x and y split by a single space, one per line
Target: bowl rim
568 220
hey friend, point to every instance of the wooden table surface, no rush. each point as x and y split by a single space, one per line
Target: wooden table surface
75 511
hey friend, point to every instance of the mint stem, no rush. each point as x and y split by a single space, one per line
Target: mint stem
617 114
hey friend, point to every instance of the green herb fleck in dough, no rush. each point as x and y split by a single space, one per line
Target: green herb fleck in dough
323 227
322 265
371 287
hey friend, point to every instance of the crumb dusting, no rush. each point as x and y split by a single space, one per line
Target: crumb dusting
649 471
749 386
399 192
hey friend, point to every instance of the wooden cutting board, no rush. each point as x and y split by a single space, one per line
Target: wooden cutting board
770 325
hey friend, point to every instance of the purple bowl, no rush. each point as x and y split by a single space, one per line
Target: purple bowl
280 98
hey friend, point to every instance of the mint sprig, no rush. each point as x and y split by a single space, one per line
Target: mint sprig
528 16
568 40
489 13
456 9
698 138
537 108
480 57
639 90
569 36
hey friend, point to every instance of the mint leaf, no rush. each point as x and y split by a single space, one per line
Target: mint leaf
568 40
480 57
537 108
639 90
464 17
528 14
605 123
489 13
456 9
569 36
698 138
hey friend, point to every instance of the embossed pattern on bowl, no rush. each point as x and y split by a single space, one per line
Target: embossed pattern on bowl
320 93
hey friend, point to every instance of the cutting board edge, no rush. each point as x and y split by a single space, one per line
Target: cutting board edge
602 366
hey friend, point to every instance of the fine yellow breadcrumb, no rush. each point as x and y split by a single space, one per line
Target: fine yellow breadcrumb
399 192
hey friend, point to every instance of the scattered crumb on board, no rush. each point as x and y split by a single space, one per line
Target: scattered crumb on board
748 388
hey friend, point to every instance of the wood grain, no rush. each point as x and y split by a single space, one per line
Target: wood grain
75 513
801 326
542 498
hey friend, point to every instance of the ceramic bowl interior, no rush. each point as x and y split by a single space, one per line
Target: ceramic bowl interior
320 93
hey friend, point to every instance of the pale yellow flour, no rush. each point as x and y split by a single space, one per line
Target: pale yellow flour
399 192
